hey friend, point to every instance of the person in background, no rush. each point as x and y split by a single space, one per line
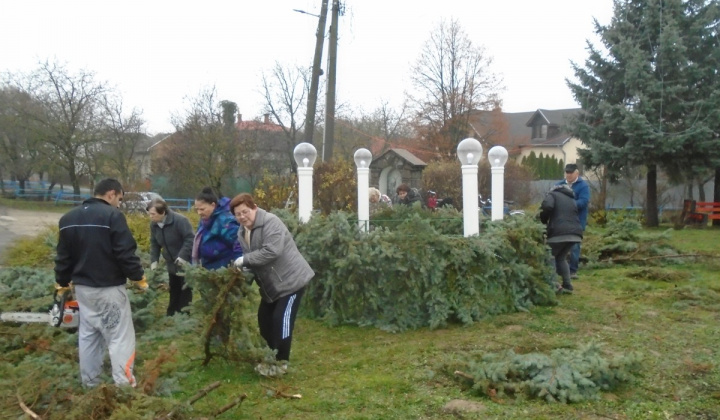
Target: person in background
407 196
560 213
378 200
281 272
96 251
171 233
582 200
432 200
215 244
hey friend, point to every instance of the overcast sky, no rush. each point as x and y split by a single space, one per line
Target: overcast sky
159 52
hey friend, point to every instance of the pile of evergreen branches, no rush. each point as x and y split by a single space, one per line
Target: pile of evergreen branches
564 375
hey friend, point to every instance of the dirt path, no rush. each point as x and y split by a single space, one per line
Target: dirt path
18 223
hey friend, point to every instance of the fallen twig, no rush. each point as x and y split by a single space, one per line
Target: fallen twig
279 393
231 404
464 375
25 408
203 392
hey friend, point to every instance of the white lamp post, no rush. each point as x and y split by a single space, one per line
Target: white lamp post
469 151
497 156
363 157
305 155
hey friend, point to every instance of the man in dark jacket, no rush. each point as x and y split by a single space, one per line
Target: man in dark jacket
559 212
173 234
96 251
582 200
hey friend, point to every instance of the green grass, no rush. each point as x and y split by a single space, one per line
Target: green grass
364 373
33 205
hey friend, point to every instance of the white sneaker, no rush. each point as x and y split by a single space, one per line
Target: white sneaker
271 370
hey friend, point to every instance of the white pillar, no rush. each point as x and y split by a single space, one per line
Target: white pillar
498 156
363 184
469 152
498 193
471 219
305 193
362 158
305 155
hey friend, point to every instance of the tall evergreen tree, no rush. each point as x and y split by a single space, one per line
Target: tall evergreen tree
650 96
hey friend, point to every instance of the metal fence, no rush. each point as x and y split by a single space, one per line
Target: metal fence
38 191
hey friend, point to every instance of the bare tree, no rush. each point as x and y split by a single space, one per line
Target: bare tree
20 142
204 150
451 78
285 91
376 130
68 114
124 132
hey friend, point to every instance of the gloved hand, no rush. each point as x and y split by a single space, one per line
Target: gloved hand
61 290
153 265
142 284
238 262
180 262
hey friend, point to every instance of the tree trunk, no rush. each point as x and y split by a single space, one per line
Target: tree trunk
701 189
651 208
75 181
49 190
602 200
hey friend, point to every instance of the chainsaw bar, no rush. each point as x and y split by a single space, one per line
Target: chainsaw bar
25 317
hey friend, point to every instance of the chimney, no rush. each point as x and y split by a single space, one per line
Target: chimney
267 118
239 117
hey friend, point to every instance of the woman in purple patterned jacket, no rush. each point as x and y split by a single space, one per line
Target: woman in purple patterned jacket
215 245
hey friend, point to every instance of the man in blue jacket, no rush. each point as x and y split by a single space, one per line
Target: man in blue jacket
96 251
582 199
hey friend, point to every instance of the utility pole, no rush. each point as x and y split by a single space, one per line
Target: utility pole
329 135
316 71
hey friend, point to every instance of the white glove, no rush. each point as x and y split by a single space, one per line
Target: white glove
153 265
238 262
180 262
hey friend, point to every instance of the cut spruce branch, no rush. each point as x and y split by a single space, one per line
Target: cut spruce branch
222 300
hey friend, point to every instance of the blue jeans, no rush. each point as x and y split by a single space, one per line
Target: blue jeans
574 258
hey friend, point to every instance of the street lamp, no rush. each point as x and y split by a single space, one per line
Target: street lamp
363 157
305 155
469 152
497 156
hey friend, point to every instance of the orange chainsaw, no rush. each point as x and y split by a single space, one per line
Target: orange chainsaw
65 313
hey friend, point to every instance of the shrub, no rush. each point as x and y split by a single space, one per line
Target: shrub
410 275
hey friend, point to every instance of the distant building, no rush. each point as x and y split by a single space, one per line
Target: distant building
539 131
395 167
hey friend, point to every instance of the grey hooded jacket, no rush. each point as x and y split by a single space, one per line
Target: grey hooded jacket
279 268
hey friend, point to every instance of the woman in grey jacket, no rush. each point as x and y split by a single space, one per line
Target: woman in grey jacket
173 234
280 270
